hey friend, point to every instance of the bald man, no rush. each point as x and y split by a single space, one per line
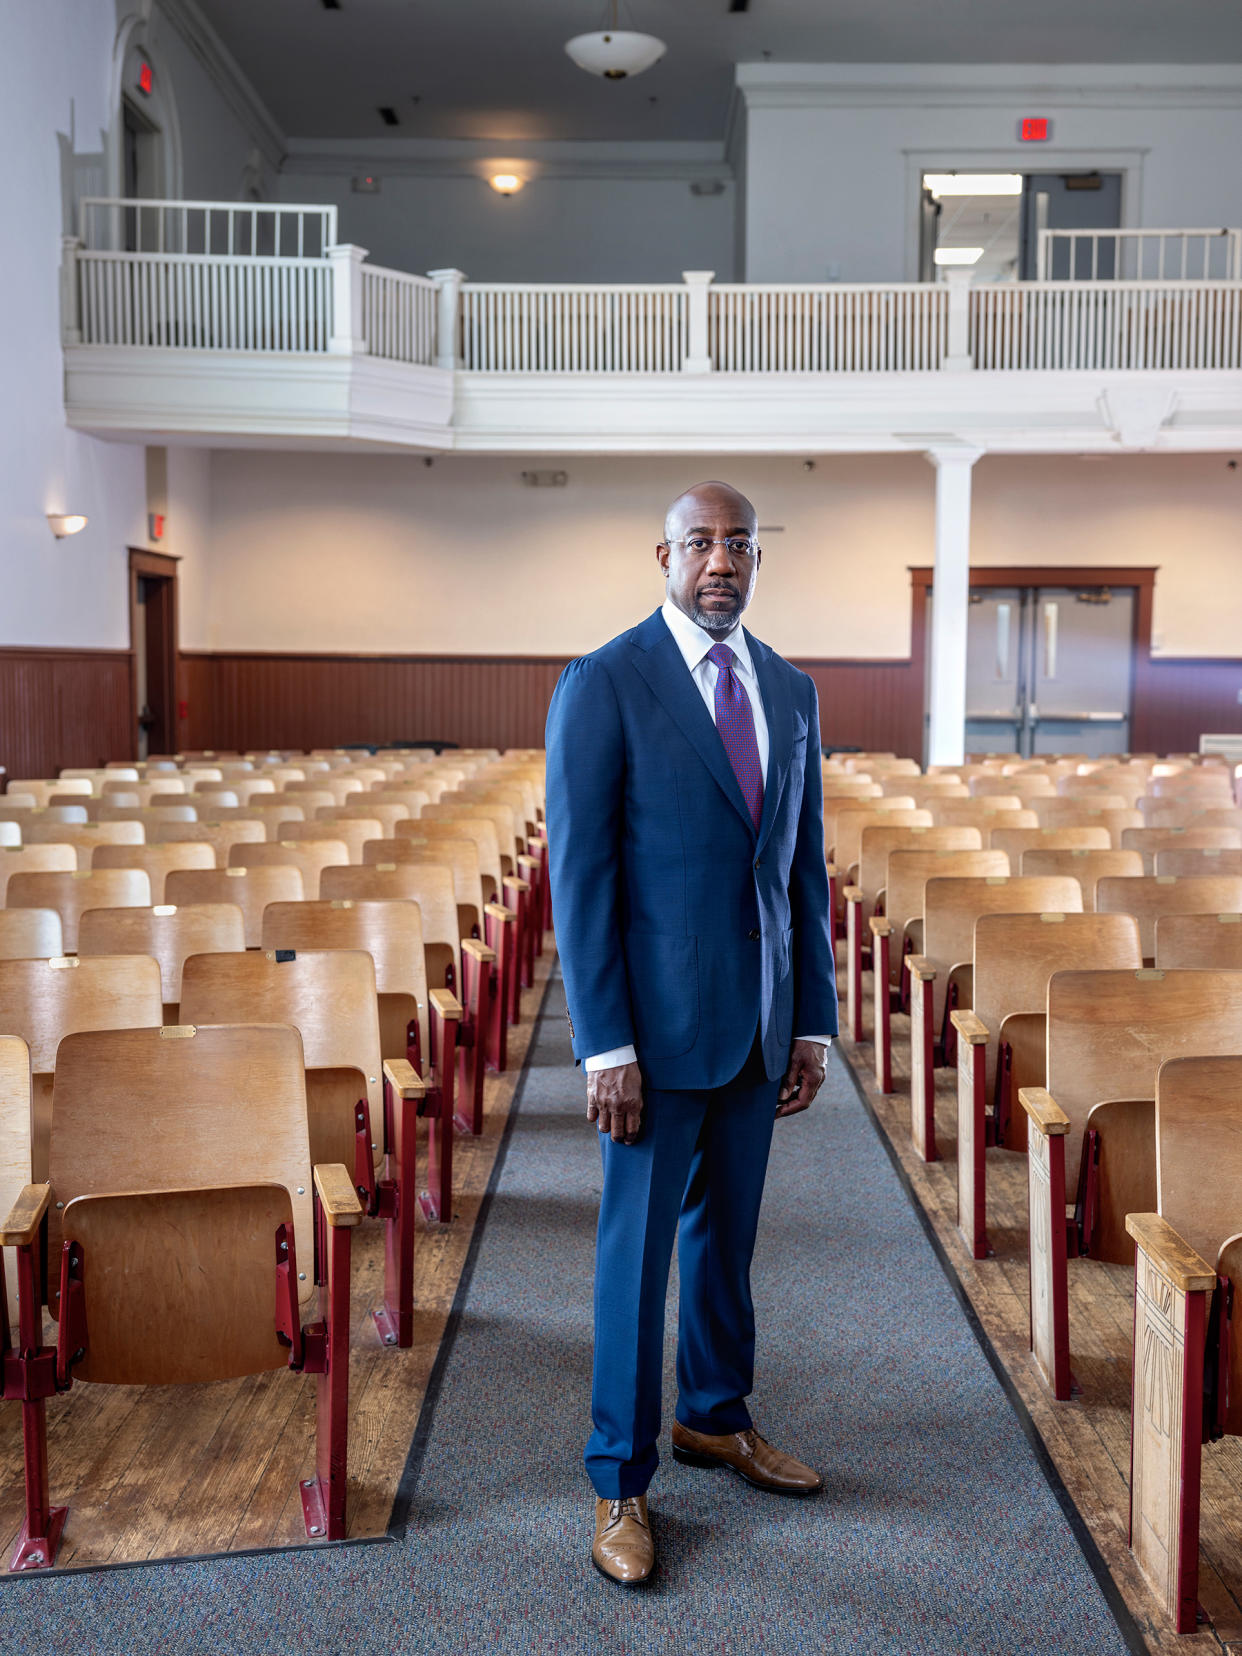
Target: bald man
690 898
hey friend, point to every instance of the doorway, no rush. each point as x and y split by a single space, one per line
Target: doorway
153 651
991 223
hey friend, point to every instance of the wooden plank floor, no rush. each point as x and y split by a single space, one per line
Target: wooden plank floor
1088 1438
167 1472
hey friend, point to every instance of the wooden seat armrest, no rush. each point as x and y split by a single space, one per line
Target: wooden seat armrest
337 1196
498 911
530 864
881 925
403 1078
969 1027
446 1003
25 1216
476 950
1044 1111
920 967
511 882
1175 1259
833 870
853 894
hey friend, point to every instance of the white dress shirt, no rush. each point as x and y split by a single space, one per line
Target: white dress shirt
694 644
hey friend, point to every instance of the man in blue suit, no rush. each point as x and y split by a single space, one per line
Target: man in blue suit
690 898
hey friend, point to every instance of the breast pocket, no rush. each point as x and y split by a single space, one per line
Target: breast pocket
664 992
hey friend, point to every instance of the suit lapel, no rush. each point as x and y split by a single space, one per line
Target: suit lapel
662 665
779 712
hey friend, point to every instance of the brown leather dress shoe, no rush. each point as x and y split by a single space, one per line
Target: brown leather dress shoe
750 1456
623 1549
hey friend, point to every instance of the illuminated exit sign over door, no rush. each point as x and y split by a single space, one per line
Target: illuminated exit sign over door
1034 129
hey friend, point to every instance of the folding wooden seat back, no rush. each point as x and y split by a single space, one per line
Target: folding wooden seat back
42 788
96 806
413 799
431 886
84 837
519 800
1087 867
310 857
1154 895
250 889
880 840
1193 784
169 934
150 816
1187 1381
1072 813
1162 813
31 817
157 861
390 931
329 996
1203 940
491 827
45 1000
70 894
1217 816
1148 841
927 790
337 787
221 835
461 855
309 796
215 796
372 810
15 1119
30 934
352 832
898 811
939 853
994 811
34 859
1015 841
1022 788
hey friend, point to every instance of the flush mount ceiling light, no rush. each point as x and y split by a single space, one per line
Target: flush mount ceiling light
614 53
958 255
505 183
972 184
65 523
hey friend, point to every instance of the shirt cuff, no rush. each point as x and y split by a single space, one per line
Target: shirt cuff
610 1060
820 1040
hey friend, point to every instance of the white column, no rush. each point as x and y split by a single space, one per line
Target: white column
70 304
946 743
697 359
346 337
448 292
957 357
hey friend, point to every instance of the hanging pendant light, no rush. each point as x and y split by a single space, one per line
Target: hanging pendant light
615 53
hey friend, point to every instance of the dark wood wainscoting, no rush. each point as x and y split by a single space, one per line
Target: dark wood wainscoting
1182 698
63 707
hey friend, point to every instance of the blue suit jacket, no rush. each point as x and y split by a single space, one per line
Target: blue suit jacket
679 928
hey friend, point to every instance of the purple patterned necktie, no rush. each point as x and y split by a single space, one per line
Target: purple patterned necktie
735 720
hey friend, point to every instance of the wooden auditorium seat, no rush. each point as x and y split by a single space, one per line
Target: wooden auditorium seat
34 859
220 834
70 894
352 832
156 861
1149 841
1187 940
216 1259
1154 895
940 975
169 933
512 881
1187 1375
30 934
371 810
1087 867
309 856
1001 1040
1015 841
251 889
150 816
1091 1130
85 837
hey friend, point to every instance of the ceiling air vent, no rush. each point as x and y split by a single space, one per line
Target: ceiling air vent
387 114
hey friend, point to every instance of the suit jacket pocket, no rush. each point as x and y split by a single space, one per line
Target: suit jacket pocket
664 992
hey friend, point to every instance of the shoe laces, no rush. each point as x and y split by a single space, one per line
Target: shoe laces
627 1507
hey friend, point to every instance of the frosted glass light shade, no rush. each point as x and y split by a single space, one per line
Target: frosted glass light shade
615 53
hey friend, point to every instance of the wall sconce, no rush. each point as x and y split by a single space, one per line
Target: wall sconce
506 184
62 524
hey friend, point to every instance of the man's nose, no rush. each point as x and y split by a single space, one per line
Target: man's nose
720 563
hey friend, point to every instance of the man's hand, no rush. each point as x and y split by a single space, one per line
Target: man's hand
615 1101
803 1078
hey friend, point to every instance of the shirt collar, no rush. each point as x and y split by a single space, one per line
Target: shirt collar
694 642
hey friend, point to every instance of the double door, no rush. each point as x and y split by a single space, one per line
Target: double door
1049 669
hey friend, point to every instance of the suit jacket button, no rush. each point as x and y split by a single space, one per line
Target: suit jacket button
758 861
753 934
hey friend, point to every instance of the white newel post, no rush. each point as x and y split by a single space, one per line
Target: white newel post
346 337
448 304
946 741
697 359
957 358
70 305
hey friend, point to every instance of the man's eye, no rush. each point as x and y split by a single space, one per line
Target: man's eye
698 544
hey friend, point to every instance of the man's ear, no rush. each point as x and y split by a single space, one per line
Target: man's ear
662 555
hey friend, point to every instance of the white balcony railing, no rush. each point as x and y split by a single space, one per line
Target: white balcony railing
233 277
1139 255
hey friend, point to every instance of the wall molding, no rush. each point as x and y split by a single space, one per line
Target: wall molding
228 78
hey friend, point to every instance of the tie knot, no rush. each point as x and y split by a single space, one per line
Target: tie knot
722 655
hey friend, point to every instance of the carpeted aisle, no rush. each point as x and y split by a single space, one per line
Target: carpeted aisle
937 1532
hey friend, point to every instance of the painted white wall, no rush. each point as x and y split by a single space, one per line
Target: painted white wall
833 152
375 553
558 229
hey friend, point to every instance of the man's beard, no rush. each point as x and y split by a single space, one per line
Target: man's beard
717 621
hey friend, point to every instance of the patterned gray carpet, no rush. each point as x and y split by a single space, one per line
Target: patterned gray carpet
937 1531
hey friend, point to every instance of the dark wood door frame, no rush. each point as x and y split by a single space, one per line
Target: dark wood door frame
1143 580
163 567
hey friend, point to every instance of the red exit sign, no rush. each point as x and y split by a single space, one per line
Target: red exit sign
145 79
1034 129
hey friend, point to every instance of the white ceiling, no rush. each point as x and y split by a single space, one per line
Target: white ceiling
496 69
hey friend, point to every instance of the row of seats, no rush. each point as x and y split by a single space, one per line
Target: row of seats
230 987
1081 969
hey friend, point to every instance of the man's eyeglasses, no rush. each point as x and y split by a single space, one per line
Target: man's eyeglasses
736 546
